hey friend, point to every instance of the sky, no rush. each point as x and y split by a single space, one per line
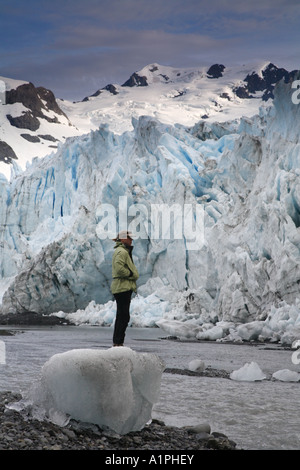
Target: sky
75 47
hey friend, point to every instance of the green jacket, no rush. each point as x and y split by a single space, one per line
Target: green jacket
124 272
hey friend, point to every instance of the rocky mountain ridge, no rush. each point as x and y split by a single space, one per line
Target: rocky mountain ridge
31 125
33 122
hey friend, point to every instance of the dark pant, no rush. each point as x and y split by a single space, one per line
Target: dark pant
122 317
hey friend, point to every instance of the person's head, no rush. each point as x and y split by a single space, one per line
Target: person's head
125 237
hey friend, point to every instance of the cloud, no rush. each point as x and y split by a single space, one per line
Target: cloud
108 56
75 47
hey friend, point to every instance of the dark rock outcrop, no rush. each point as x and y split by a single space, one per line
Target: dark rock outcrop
6 153
136 80
31 138
39 101
265 83
25 121
216 71
111 88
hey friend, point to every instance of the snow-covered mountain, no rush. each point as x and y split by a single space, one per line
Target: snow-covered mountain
33 123
243 280
174 95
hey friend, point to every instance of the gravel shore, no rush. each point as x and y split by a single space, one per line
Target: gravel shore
18 432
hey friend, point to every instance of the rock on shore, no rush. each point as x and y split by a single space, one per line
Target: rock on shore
19 432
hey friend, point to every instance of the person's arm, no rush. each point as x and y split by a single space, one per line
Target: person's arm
134 272
121 268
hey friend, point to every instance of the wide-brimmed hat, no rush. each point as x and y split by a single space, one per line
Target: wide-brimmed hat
123 235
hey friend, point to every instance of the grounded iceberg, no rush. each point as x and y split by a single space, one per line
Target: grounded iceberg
286 375
242 280
114 388
250 372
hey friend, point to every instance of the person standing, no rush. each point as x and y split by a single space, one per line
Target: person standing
125 275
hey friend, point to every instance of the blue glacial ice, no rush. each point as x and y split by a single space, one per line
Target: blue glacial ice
244 176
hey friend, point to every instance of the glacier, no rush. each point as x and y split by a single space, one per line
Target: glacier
243 281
